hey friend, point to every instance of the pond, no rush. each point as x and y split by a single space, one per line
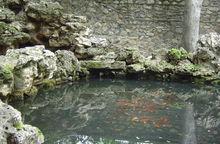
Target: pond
126 112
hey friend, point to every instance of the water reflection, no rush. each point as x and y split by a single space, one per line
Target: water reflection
126 111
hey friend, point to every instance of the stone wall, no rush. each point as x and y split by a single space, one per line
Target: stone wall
148 24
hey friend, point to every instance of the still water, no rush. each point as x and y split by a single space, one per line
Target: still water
126 112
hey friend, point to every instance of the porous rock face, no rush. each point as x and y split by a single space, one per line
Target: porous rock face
22 69
208 51
40 22
12 129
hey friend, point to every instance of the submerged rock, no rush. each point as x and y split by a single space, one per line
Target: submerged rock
12 129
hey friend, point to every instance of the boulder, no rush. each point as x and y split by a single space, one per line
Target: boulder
21 68
11 37
44 11
135 68
208 51
6 15
12 129
67 64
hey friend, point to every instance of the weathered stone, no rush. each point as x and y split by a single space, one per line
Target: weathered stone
6 15
208 51
67 63
88 53
210 40
20 69
118 65
11 37
12 129
83 41
110 56
46 11
93 64
99 42
135 68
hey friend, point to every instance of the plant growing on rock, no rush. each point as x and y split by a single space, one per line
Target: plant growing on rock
6 73
175 55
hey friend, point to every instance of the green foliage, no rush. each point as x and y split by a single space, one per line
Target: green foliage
19 125
175 55
192 67
40 135
6 73
33 91
48 83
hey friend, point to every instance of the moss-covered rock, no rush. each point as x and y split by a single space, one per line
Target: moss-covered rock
12 129
6 72
135 68
6 15
46 11
48 83
175 55
93 64
11 37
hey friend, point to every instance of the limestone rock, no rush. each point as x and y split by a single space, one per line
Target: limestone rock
44 11
11 37
67 63
135 68
12 129
6 15
208 51
211 40
99 42
20 68
130 55
93 64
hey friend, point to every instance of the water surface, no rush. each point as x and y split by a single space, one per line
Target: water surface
126 111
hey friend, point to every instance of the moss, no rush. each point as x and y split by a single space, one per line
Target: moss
48 83
40 135
216 82
19 125
175 55
6 73
95 64
33 91
192 67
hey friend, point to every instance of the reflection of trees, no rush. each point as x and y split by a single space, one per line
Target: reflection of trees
121 105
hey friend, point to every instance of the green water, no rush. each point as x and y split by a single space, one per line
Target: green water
126 111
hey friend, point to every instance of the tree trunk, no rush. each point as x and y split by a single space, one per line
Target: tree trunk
192 23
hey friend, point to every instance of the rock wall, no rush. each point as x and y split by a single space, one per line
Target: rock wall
148 24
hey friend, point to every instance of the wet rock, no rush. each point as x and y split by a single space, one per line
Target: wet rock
12 129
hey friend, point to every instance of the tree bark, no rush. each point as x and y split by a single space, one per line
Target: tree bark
192 23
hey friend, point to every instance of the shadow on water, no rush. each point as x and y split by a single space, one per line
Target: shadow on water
126 111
